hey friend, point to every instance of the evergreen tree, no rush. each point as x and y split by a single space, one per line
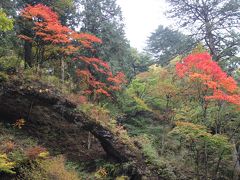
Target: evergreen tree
164 44
103 18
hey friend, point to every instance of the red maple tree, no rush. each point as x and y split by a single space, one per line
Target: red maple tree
48 28
95 74
200 66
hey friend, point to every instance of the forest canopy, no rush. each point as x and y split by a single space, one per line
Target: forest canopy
174 107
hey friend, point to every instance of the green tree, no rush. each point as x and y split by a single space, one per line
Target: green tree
214 22
7 36
164 44
5 23
103 18
205 149
65 9
139 62
9 7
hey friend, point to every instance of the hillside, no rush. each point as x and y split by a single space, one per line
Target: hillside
78 102
59 126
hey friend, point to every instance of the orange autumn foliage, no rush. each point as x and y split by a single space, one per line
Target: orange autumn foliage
201 67
34 152
48 29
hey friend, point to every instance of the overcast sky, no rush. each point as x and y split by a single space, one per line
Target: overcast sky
142 17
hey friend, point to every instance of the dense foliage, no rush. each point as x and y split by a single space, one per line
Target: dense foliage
5 22
164 44
213 22
177 103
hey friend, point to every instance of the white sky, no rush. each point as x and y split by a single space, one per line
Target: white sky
141 17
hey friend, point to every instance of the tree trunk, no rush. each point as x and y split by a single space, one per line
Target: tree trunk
236 171
89 140
205 161
163 141
197 165
209 39
62 71
28 54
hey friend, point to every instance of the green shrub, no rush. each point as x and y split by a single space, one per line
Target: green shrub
199 143
3 77
164 169
51 168
80 168
52 80
10 64
131 104
5 165
122 178
18 157
6 24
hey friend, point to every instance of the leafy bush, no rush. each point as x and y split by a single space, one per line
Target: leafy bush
198 134
131 104
10 64
5 165
107 170
36 152
3 77
122 178
18 156
101 173
97 112
152 158
52 168
6 24
52 80
205 148
81 168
